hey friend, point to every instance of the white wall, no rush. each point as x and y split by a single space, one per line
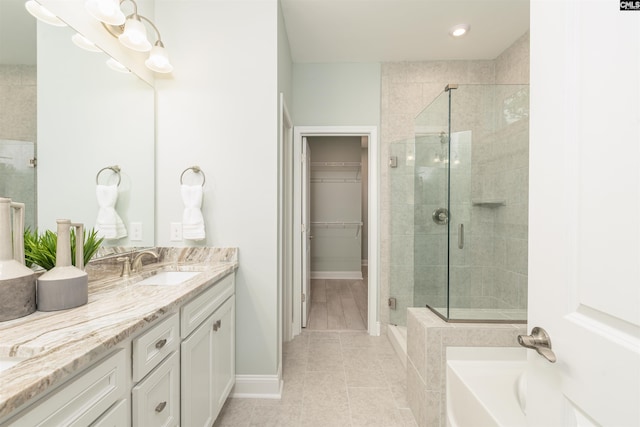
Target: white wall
219 111
90 117
336 94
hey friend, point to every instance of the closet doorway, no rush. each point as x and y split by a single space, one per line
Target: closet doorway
338 205
335 217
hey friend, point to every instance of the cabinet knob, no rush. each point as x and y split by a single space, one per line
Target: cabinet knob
217 325
161 343
161 406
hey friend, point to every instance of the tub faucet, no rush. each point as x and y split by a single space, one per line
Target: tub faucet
136 264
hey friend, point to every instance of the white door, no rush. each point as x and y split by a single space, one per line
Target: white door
306 232
584 255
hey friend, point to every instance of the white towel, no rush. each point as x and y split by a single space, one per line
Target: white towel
108 224
192 219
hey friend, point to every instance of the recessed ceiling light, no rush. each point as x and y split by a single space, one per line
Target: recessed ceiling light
459 30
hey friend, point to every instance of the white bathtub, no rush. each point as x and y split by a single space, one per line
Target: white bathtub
485 387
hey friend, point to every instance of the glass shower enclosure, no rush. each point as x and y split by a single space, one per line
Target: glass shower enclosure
460 200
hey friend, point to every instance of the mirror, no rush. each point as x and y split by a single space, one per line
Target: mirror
91 117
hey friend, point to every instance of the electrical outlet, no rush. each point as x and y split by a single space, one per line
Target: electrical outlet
135 231
176 232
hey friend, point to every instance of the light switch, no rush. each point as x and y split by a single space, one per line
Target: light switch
135 231
175 234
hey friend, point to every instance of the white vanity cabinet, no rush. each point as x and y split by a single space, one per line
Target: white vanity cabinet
84 399
208 353
177 372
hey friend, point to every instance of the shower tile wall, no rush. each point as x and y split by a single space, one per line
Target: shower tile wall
406 89
18 102
18 123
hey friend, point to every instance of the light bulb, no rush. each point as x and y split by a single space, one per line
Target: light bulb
158 60
107 11
135 35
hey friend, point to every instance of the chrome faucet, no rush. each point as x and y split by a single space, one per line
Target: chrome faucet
136 264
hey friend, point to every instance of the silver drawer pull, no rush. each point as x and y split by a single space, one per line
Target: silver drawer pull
217 325
161 406
161 343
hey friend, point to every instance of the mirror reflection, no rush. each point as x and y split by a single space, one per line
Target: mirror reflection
89 117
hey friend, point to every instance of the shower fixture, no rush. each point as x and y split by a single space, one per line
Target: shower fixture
442 155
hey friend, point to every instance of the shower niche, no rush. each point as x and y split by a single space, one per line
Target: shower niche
463 207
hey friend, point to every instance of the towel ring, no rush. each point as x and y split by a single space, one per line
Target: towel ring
194 169
115 169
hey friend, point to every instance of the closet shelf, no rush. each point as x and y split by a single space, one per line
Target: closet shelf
339 224
335 180
333 168
334 165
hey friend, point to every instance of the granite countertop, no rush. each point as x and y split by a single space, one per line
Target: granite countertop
58 344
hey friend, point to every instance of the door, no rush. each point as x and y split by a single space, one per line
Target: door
584 256
306 231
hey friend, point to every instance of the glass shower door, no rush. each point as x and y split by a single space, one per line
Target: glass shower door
18 176
431 206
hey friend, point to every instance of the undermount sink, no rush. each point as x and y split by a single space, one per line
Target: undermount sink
169 278
8 362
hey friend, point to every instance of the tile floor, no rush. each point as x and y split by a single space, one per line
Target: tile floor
344 378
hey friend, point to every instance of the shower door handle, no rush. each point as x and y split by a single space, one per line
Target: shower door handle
461 236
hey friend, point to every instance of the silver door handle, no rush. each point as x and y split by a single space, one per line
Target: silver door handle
539 341
461 236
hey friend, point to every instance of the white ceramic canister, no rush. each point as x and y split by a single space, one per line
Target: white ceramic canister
17 282
65 286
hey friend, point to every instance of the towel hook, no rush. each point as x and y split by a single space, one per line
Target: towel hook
115 169
194 169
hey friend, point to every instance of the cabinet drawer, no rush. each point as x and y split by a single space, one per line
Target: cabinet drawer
153 346
116 416
156 400
83 400
197 310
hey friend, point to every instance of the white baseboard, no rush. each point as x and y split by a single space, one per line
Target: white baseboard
258 387
374 330
345 275
398 338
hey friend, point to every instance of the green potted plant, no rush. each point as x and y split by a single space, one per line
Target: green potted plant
40 249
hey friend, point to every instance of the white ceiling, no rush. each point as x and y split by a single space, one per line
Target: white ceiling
352 30
401 30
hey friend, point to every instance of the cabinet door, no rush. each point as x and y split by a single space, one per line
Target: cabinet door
224 352
196 370
156 398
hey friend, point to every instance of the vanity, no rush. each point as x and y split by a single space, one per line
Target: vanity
154 348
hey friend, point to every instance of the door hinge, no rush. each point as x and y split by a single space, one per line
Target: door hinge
33 162
304 297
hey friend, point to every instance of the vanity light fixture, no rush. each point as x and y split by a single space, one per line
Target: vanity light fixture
459 30
84 43
43 14
132 33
